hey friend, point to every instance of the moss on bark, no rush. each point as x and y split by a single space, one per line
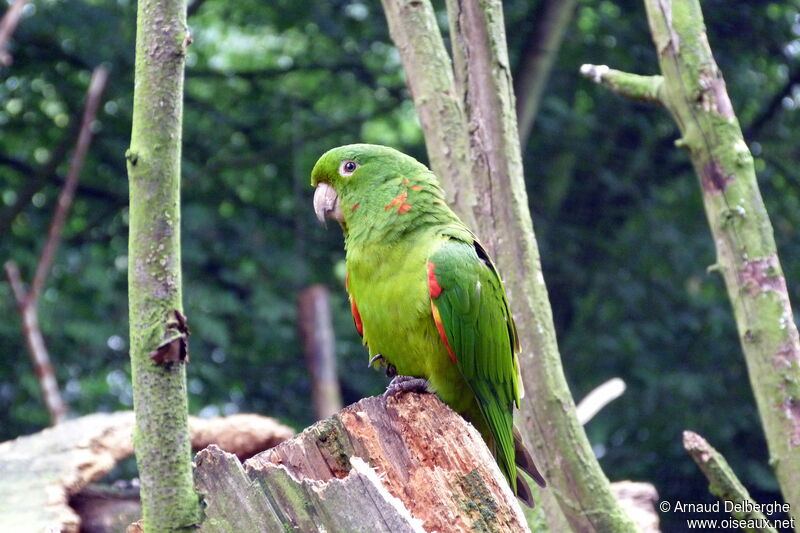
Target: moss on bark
694 93
161 437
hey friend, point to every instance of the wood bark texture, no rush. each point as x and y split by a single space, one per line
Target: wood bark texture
42 474
483 78
158 332
747 257
407 463
693 90
38 473
722 482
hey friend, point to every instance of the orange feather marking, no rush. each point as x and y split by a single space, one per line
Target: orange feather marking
416 187
355 206
400 202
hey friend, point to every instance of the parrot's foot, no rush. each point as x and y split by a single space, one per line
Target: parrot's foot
391 370
401 384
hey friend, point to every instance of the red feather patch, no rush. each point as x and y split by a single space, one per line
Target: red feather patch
437 319
435 291
433 285
354 307
356 317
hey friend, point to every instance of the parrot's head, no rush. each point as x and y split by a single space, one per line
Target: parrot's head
368 179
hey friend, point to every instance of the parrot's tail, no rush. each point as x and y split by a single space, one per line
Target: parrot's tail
524 491
524 460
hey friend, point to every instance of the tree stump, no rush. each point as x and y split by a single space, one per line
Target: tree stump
42 474
403 464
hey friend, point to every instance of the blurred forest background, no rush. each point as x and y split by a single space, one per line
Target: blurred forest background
270 87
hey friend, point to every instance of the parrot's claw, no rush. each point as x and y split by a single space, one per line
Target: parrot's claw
377 357
401 384
391 370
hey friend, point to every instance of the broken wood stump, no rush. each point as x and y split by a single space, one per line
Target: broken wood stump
42 474
403 464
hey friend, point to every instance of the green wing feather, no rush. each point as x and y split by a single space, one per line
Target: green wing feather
480 331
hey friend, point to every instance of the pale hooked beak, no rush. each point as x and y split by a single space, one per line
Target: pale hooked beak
326 203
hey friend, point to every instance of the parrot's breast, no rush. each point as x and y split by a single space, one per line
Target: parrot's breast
389 285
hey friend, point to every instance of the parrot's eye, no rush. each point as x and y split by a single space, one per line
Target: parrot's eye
347 168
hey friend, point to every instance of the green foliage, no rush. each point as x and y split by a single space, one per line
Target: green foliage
269 88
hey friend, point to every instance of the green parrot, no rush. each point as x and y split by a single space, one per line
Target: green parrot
425 296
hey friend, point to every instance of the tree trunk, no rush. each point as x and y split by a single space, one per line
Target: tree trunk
316 330
429 76
693 90
158 329
407 463
483 117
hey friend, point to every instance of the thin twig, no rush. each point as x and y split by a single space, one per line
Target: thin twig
647 89
7 26
27 302
96 86
36 347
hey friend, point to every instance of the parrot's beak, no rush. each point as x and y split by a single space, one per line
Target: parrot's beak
326 203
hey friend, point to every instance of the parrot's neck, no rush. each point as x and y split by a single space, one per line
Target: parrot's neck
394 211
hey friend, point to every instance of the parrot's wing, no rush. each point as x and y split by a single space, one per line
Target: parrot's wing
471 311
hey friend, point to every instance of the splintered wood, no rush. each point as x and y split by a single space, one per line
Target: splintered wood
408 463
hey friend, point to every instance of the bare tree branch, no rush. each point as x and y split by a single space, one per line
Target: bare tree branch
27 302
36 347
722 482
7 26
96 86
598 398
648 89
551 21
693 91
